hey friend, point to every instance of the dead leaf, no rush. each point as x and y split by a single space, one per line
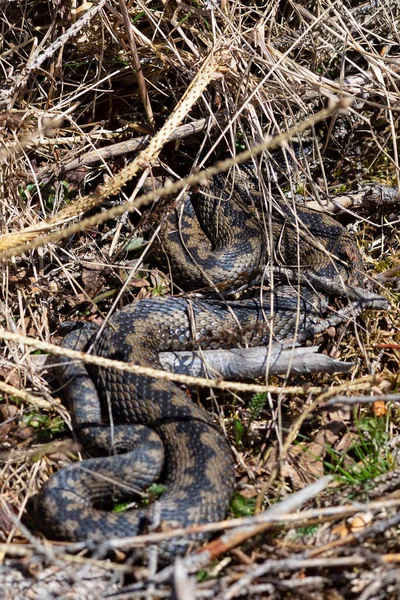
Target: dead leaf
93 279
140 282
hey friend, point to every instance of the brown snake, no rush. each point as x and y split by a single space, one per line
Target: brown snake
149 428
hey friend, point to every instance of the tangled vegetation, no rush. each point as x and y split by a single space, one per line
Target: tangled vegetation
103 103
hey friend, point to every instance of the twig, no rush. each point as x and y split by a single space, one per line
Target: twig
183 588
346 400
133 145
357 384
288 564
145 158
369 197
203 556
301 560
251 363
358 536
264 519
230 539
138 67
11 245
241 363
39 57
26 396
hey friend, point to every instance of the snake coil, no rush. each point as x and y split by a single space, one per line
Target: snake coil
138 428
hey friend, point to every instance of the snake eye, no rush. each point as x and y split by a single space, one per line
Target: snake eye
118 355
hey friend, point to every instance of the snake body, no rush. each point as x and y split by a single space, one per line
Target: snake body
149 428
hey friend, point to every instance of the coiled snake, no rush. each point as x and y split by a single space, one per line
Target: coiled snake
148 428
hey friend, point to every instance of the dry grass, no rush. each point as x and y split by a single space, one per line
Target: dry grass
75 93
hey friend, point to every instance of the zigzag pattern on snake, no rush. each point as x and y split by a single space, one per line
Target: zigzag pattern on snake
138 428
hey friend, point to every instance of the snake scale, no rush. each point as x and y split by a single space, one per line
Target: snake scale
138 428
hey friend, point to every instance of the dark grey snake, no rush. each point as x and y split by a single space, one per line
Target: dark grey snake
217 243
